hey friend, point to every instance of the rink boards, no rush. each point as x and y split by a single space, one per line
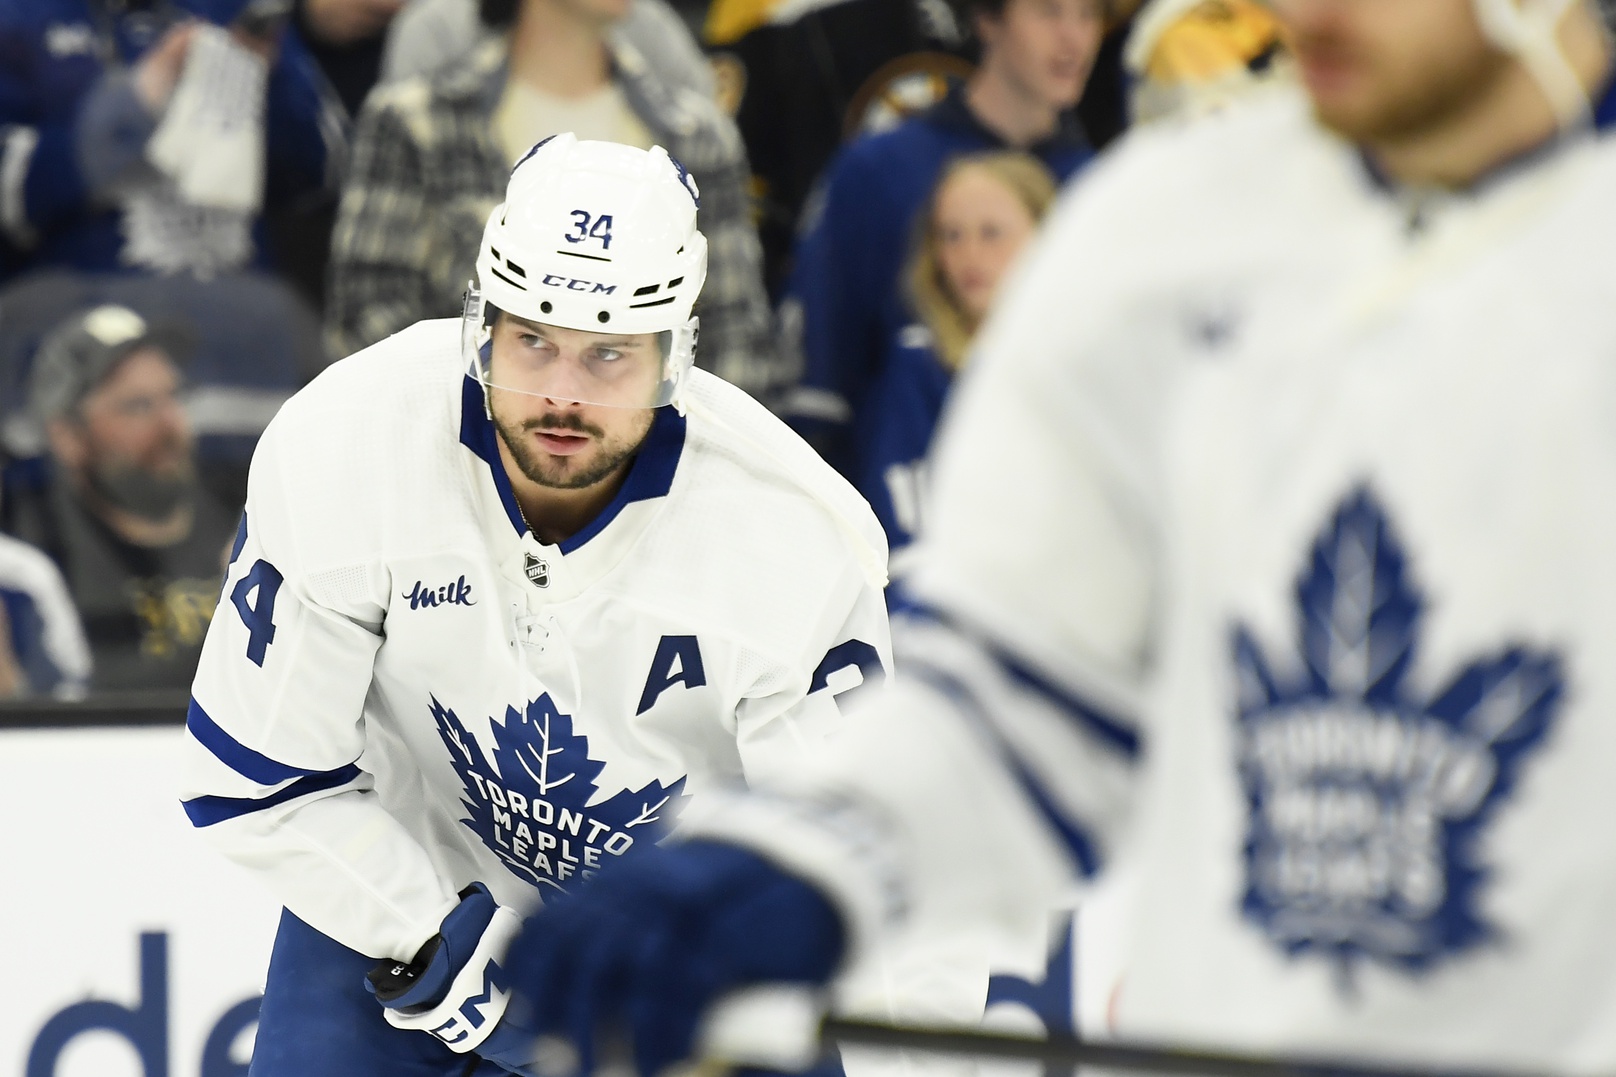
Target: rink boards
132 948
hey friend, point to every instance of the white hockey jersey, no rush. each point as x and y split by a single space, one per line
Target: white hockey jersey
1272 557
406 691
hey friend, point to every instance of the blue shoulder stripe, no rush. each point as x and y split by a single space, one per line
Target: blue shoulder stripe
237 756
205 811
1090 717
1104 726
1074 837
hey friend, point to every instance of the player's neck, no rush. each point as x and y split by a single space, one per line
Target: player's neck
1513 117
555 515
555 50
1007 109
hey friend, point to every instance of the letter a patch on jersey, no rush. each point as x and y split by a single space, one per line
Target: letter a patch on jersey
533 804
1368 794
677 661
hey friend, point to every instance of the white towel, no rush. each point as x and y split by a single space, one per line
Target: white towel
211 138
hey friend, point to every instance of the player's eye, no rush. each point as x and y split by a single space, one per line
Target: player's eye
606 355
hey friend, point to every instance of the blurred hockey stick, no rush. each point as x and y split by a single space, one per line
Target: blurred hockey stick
1066 1052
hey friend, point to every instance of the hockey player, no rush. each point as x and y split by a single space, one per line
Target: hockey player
507 593
1270 563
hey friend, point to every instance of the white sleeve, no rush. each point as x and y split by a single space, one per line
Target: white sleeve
845 653
1002 767
276 731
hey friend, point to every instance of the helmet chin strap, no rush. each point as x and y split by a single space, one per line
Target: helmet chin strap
1529 31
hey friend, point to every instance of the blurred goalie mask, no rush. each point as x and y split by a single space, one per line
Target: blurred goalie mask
595 237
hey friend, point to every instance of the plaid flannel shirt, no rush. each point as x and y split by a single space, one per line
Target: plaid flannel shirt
426 170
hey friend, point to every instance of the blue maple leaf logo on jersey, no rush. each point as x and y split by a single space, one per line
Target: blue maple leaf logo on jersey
533 808
1367 797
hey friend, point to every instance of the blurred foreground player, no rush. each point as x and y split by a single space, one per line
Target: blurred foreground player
508 591
1270 562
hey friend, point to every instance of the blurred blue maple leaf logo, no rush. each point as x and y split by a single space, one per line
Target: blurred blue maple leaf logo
1367 796
532 803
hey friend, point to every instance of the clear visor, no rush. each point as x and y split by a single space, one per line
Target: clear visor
614 370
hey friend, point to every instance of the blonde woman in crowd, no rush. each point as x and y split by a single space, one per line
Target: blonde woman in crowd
982 212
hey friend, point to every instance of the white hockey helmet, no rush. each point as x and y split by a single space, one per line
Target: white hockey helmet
599 237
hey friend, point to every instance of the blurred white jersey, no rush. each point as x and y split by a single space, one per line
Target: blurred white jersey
405 690
1273 560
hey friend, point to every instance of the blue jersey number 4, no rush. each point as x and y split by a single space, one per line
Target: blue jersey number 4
258 615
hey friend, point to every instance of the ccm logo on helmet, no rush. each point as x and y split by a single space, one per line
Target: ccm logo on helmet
573 284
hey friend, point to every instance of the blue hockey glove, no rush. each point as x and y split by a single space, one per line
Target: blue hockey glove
642 950
455 989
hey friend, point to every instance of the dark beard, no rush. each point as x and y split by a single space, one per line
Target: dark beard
531 463
142 493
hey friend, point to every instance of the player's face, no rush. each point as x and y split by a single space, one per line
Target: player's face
1045 48
978 227
556 441
1389 70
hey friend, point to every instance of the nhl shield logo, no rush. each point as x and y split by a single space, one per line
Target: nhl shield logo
537 570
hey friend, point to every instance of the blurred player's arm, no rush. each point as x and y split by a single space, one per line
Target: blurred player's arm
844 651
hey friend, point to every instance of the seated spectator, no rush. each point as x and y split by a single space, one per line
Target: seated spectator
431 159
256 343
140 542
846 297
148 136
42 647
984 210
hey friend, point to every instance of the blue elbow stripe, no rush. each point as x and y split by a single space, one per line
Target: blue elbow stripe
205 811
1091 718
1114 732
252 765
1076 839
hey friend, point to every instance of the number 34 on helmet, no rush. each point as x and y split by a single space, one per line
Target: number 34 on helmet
596 237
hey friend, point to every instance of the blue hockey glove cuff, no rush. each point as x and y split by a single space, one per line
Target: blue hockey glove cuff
648 945
455 989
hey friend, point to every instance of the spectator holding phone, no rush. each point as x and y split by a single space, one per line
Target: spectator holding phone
151 134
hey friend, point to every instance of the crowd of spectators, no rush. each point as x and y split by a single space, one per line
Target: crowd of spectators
203 202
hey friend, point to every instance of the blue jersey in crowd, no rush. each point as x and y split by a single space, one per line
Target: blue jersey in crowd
53 56
900 408
853 309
